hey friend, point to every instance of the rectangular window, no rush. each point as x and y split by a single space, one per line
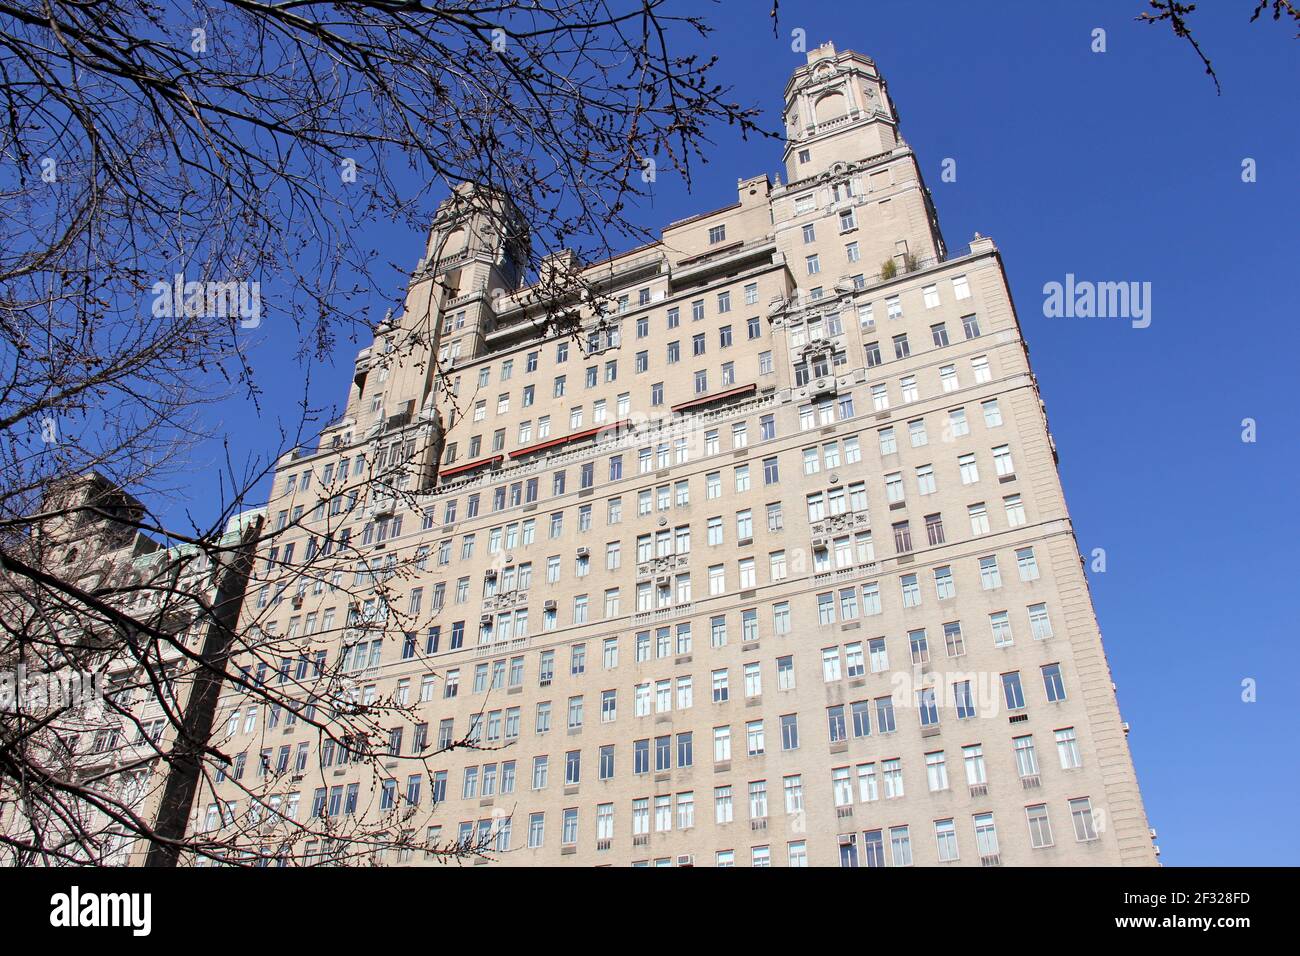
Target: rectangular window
1040 827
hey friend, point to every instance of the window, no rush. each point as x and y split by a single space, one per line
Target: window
964 700
1040 827
1027 564
990 577
569 831
945 835
774 517
879 654
785 673
992 413
722 745
911 590
1085 827
926 705
957 424
1015 510
685 811
1002 462
1000 624
894 487
685 750
1040 624
1026 756
717 234
934 528
986 837
826 609
920 647
721 691
790 732
1067 749
900 845
1012 691
943 584
831 665
885 715
1052 683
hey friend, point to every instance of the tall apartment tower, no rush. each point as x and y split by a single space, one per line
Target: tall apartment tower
769 565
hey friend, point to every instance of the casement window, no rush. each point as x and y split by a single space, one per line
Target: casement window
1040 826
1067 749
1085 827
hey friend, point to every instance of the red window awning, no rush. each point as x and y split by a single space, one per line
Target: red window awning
568 439
716 397
469 466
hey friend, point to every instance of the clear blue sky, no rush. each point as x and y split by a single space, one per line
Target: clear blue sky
1116 166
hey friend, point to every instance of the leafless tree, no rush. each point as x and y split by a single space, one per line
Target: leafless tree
1177 14
176 176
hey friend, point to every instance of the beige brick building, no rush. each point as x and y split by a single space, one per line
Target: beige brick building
110 739
769 566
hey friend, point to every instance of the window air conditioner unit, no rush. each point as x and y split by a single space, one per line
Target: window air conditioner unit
485 619
686 860
490 573
551 605
820 543
584 552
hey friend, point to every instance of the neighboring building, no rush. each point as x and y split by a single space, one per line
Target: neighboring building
106 734
769 565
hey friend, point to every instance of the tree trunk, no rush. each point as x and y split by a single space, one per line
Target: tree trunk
196 723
